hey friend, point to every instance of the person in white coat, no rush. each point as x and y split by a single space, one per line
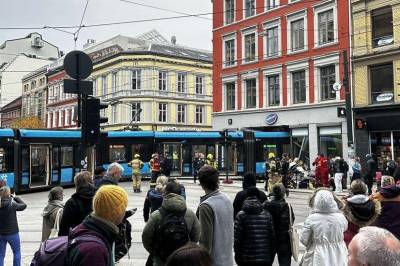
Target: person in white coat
323 232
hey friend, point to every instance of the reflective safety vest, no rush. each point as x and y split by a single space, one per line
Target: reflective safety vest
136 165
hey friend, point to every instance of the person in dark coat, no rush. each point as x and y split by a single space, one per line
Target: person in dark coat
109 208
389 196
99 173
52 211
79 205
249 181
166 165
359 209
154 197
285 172
9 231
253 233
279 210
370 168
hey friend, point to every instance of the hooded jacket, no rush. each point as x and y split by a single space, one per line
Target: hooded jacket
172 203
241 196
8 214
92 253
390 213
323 232
152 203
360 211
253 234
49 215
77 208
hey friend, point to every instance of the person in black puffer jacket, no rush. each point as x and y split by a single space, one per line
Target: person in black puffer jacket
79 205
254 233
279 209
249 181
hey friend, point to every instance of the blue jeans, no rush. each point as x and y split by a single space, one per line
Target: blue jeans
13 240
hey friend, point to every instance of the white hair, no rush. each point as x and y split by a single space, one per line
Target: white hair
113 169
377 246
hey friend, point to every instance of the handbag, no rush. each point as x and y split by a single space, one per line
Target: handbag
56 227
294 237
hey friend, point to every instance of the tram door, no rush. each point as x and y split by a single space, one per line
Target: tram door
175 151
39 165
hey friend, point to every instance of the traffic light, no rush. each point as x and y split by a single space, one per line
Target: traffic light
225 137
92 120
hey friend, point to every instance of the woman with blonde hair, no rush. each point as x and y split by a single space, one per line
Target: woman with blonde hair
154 197
9 231
323 232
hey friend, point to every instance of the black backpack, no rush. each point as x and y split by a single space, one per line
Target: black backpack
124 240
172 233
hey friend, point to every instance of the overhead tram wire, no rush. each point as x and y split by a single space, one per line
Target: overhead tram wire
76 34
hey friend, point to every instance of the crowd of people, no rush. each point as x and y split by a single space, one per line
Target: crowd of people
92 227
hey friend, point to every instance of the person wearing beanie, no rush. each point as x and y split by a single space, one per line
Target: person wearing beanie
279 210
52 211
389 197
249 181
101 228
173 205
359 209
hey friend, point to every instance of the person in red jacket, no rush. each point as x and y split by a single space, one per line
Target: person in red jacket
321 170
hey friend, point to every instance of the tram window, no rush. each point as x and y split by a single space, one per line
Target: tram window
117 153
25 158
66 156
6 160
144 150
55 157
199 149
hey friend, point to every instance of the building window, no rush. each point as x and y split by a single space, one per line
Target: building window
162 112
382 83
229 11
199 114
114 113
114 82
249 8
271 4
50 120
327 79
67 117
136 79
199 84
272 41
136 112
181 82
229 52
299 86
382 27
162 80
330 141
326 32
297 34
56 119
62 118
273 90
104 85
230 96
250 47
181 113
251 92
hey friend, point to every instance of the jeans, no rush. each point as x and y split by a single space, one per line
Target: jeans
14 241
338 182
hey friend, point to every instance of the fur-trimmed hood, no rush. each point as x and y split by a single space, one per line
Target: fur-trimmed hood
361 211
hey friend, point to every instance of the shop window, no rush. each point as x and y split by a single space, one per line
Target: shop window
230 96
382 83
117 153
396 146
381 146
229 11
300 145
328 78
251 93
330 141
382 27
299 86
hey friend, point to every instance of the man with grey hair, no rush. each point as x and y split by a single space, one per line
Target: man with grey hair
374 246
113 175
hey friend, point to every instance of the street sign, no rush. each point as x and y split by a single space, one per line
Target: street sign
337 86
78 65
83 87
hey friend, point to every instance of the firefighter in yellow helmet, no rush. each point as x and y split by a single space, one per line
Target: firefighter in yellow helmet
211 161
272 167
136 165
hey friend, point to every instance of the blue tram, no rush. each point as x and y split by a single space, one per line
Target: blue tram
38 159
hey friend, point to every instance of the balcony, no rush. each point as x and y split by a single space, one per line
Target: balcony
155 94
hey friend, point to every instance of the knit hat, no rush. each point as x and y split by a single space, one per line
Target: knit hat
110 202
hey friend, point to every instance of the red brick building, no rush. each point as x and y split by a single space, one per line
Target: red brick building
10 112
60 105
275 62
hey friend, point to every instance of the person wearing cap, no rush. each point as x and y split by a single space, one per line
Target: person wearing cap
52 211
136 165
109 205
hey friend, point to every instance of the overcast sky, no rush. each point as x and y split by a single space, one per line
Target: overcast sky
193 32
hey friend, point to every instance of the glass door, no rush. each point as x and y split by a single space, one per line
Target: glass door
39 165
175 151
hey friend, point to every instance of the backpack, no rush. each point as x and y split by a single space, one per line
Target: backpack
172 233
124 240
55 251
